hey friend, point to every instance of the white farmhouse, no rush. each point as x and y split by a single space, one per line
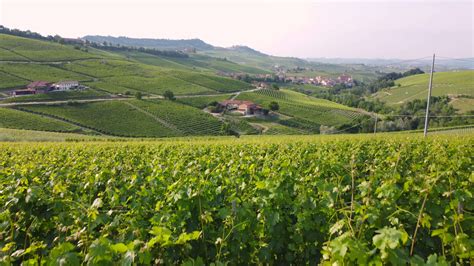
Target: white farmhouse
66 85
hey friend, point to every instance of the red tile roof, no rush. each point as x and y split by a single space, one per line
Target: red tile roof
38 84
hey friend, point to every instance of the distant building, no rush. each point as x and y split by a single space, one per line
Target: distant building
243 107
24 92
66 85
345 79
39 86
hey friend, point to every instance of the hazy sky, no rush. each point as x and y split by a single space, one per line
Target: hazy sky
317 28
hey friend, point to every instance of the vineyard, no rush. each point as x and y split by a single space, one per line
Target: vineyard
114 118
414 87
35 50
10 118
300 106
297 200
188 120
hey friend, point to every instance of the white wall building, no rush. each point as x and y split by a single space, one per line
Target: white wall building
66 85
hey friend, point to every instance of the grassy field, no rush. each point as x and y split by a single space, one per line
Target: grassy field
463 104
10 118
416 87
279 200
298 105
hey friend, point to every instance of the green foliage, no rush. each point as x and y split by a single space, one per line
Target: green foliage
108 117
58 96
32 72
415 87
10 81
138 95
169 95
37 50
303 107
185 119
202 101
283 200
10 118
274 106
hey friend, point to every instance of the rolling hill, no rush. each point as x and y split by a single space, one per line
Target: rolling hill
108 108
458 85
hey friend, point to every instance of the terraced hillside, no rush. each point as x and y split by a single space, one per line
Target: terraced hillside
116 76
453 84
185 119
24 49
134 118
306 108
111 118
23 60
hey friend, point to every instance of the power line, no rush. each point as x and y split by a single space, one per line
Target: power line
458 59
429 116
408 60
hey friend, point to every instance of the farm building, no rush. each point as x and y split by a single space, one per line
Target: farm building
34 87
243 107
24 92
345 79
39 86
66 85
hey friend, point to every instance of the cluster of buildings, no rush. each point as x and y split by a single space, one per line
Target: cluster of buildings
39 87
282 77
242 107
323 81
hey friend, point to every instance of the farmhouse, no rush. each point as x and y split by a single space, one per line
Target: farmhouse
66 85
39 86
243 107
34 87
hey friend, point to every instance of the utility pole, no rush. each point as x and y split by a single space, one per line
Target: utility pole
375 125
425 132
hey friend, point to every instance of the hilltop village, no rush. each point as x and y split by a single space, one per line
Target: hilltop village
324 81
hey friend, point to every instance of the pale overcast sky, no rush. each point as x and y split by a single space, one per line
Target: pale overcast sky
311 28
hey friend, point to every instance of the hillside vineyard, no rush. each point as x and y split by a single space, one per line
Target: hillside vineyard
279 200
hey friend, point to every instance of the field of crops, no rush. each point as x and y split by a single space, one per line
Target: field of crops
298 105
36 50
202 101
11 118
111 118
277 200
187 120
10 81
32 72
416 87
158 84
6 55
58 96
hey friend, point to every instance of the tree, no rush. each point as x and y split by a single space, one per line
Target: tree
169 95
275 87
138 95
274 106
227 130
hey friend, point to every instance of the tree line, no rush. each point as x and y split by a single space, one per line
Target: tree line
83 45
